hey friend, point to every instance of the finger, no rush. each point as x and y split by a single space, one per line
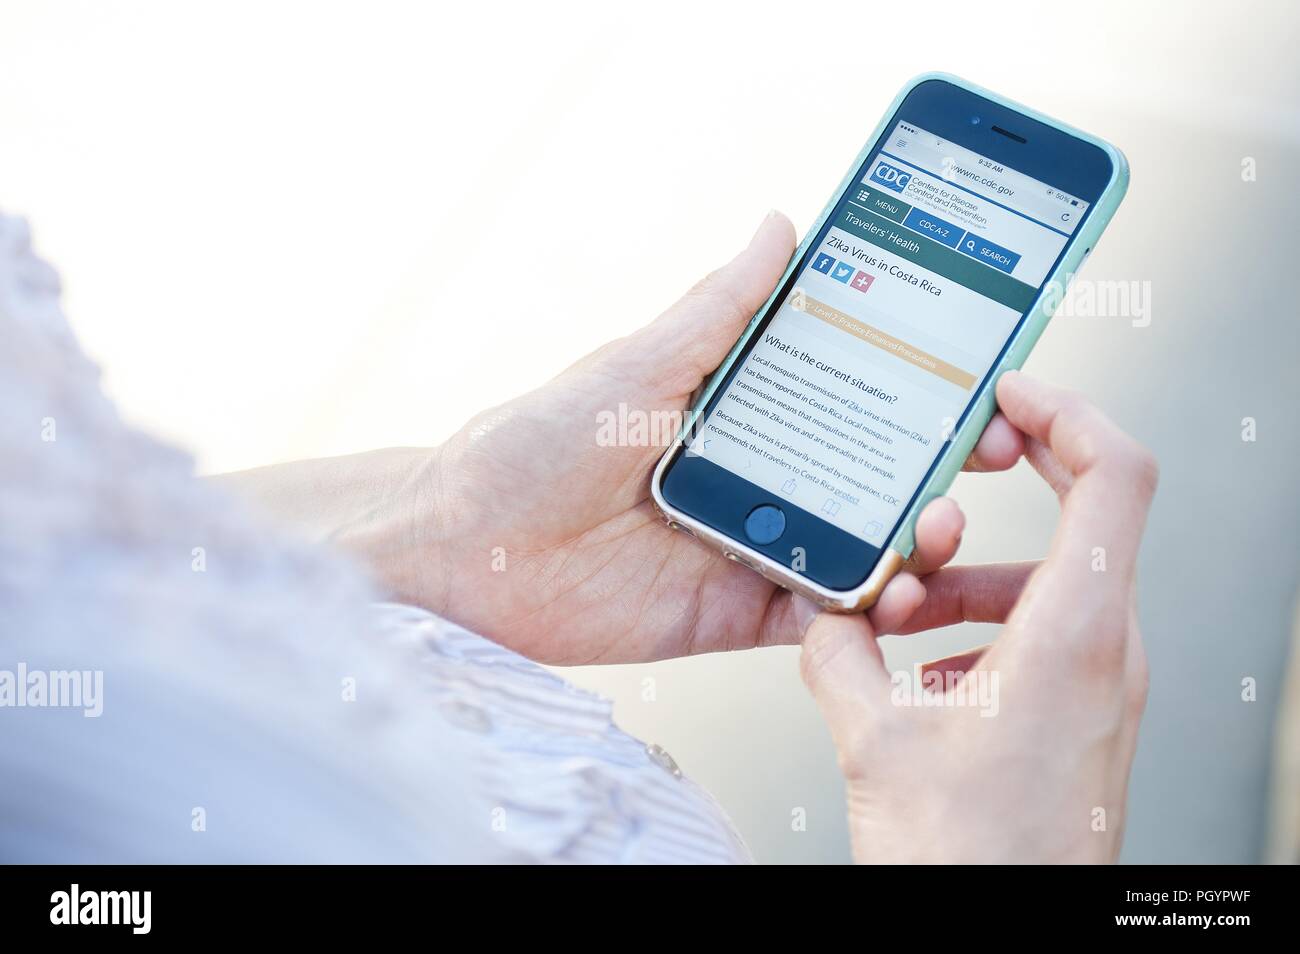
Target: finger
842 667
938 535
693 336
1043 461
1114 477
1080 436
957 663
901 597
1083 594
999 447
965 594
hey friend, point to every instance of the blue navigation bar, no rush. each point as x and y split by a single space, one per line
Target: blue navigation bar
923 222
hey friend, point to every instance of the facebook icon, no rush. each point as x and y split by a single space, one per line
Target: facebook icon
890 177
823 263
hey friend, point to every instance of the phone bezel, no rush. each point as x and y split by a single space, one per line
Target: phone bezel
712 501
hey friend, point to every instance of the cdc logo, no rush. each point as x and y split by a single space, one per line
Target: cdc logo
890 177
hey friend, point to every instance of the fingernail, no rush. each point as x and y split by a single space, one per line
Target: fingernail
805 611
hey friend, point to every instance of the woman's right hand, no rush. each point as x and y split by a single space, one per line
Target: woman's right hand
1037 769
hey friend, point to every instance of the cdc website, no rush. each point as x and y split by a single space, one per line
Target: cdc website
894 319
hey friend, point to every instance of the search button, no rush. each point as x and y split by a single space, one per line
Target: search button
988 253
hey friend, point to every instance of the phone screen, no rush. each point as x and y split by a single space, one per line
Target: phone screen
891 321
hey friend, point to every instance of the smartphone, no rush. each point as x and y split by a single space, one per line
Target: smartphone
860 387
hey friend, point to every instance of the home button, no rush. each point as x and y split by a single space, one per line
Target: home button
764 524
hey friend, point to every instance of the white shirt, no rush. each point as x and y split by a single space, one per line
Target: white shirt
255 703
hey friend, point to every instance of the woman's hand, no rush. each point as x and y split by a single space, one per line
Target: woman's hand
530 529
548 541
1034 766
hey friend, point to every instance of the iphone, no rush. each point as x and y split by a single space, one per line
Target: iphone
859 388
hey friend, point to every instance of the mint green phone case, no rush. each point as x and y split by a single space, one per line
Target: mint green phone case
963 441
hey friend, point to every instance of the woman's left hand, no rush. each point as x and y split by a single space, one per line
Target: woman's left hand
528 528
532 528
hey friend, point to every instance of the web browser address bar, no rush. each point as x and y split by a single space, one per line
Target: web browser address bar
958 166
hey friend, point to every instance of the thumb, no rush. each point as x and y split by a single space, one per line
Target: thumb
842 667
694 335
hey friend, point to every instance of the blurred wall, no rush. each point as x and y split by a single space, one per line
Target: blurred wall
304 229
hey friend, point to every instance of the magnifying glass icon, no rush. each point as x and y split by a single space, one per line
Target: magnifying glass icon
970 245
